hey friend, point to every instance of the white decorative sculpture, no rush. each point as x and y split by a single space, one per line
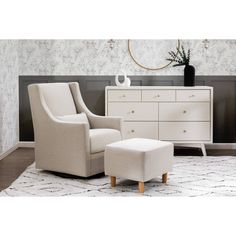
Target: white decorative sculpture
126 82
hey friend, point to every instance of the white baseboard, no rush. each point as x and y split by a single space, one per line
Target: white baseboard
26 144
221 146
9 151
210 145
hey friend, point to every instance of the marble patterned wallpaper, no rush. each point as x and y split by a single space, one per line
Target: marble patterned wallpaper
94 57
9 131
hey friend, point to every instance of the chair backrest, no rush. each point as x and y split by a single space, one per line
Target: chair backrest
58 98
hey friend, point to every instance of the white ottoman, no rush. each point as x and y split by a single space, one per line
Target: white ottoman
138 159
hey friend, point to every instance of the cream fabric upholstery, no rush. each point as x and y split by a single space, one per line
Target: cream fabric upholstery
76 118
138 159
58 99
94 120
64 146
99 138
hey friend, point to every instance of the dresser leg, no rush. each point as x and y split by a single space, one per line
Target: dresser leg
141 187
164 178
203 149
113 181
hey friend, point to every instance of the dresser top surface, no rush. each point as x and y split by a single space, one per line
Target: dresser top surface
159 87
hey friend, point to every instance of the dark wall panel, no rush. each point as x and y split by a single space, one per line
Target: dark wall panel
224 114
93 92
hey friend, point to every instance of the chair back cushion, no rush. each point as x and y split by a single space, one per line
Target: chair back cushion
77 118
58 98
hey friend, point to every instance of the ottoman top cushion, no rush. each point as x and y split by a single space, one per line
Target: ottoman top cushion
139 144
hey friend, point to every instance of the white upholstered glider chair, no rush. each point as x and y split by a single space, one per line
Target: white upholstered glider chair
68 137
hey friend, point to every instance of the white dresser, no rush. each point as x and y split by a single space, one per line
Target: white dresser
182 115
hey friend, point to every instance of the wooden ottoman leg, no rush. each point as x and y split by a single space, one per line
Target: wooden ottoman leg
113 181
164 178
141 187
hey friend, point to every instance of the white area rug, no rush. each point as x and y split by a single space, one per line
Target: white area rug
191 176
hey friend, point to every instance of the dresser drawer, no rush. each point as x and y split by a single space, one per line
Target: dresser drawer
184 131
158 95
184 111
124 95
193 95
140 130
134 110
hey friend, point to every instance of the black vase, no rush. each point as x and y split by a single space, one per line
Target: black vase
189 75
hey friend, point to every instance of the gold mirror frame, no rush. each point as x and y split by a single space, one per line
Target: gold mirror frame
149 68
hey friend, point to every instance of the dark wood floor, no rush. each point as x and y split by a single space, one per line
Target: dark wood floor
15 163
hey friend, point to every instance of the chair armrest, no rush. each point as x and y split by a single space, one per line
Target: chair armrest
74 133
95 120
69 128
63 147
60 135
111 122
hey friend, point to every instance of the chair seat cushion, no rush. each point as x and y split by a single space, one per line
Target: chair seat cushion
76 118
99 138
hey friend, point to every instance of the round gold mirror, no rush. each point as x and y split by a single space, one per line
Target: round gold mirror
152 54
